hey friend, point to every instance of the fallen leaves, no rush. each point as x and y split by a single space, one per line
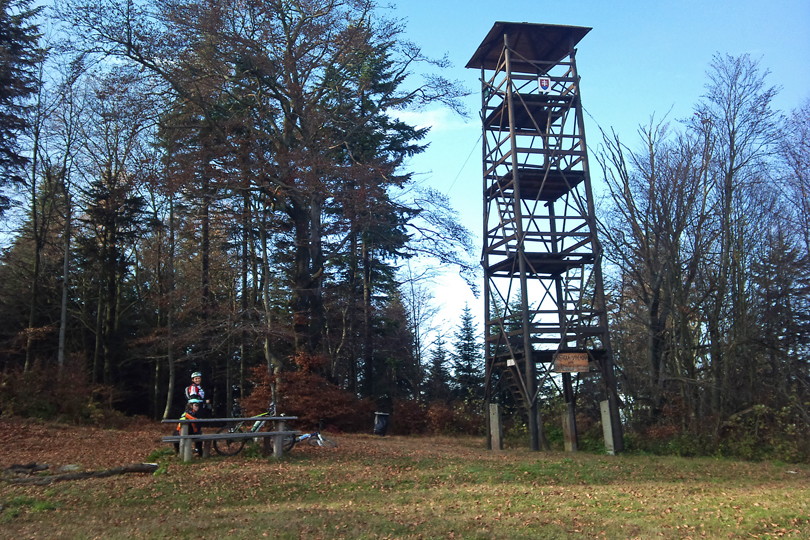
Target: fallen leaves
407 487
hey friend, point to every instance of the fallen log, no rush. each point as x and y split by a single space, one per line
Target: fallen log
26 468
45 480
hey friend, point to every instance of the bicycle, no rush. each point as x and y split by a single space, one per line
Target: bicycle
231 447
314 439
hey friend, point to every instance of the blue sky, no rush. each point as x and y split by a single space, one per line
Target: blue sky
641 58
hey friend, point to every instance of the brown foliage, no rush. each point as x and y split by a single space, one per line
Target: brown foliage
44 392
313 399
408 417
317 402
440 417
411 417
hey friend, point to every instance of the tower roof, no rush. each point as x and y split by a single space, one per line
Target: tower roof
547 43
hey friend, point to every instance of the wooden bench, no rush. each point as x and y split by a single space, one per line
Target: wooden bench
271 439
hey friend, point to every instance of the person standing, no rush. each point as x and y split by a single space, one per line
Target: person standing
196 389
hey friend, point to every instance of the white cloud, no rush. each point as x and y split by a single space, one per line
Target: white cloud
438 120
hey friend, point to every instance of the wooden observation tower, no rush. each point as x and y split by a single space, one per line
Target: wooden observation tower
545 315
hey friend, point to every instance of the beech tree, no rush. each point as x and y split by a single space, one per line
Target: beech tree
315 77
794 150
709 267
657 235
285 110
738 108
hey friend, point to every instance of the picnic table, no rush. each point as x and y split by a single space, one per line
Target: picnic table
271 439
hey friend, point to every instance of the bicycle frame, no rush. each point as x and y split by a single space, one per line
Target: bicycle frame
228 447
315 439
259 424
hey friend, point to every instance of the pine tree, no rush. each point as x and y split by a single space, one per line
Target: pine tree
438 376
468 379
19 56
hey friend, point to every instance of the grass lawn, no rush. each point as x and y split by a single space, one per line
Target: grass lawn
413 487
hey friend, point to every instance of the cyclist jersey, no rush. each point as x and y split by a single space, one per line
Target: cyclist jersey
195 389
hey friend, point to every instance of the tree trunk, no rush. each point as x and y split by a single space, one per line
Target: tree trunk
368 349
97 347
170 314
351 318
60 359
38 240
304 286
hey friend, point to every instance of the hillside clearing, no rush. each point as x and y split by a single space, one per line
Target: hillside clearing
391 487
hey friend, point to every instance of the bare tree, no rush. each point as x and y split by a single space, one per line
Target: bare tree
737 106
656 234
795 183
710 282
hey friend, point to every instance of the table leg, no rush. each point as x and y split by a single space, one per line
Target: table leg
186 445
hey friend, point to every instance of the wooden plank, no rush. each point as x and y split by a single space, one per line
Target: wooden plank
227 420
220 436
187 441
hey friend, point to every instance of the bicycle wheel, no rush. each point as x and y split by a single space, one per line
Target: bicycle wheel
286 443
320 440
229 447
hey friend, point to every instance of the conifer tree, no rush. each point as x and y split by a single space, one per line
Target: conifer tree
438 376
468 378
19 56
